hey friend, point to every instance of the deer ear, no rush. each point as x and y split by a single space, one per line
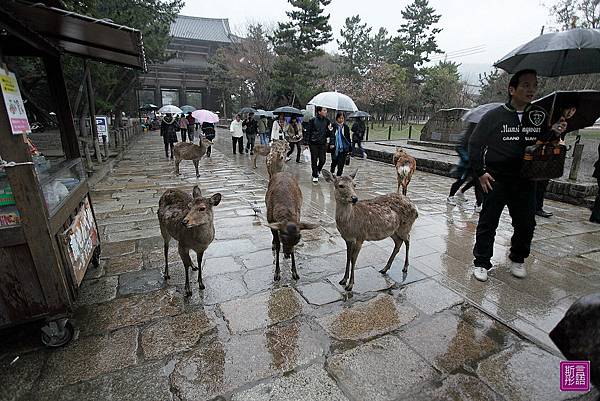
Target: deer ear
353 175
307 226
196 193
328 176
215 199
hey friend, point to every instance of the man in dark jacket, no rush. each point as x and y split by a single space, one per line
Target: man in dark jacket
358 133
319 132
251 126
496 151
595 217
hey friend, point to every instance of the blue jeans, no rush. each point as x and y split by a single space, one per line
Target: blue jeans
264 138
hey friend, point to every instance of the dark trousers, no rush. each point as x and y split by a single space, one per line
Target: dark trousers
297 146
339 162
357 149
208 151
183 133
190 133
240 143
167 146
519 196
250 144
540 191
595 217
318 156
470 182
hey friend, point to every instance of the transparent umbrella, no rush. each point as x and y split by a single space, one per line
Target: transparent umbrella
334 101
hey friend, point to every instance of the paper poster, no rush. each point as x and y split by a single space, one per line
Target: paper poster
102 127
14 103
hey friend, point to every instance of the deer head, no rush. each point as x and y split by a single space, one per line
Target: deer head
206 142
345 187
289 234
200 209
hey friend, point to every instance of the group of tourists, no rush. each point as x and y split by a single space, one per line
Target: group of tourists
318 135
186 125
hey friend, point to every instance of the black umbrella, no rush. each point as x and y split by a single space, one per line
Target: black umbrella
288 111
576 51
584 103
359 114
474 115
149 107
246 110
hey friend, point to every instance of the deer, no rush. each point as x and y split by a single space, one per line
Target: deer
405 167
391 215
188 219
264 150
190 151
284 201
275 160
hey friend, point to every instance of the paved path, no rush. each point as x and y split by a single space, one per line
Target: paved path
435 334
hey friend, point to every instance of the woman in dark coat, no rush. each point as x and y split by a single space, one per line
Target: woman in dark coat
339 144
168 130
208 130
595 217
358 133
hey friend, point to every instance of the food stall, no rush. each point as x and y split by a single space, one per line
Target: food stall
48 231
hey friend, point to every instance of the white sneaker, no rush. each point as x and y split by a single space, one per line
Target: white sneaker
315 179
478 208
451 201
480 273
517 269
287 159
460 197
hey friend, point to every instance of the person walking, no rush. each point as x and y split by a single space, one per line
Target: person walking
191 125
237 134
183 127
340 144
595 217
358 133
251 127
279 128
496 150
208 130
318 134
263 130
465 173
294 135
168 130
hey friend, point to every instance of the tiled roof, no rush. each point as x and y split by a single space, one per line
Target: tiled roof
200 28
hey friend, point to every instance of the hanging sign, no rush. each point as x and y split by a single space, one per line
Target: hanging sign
14 103
102 127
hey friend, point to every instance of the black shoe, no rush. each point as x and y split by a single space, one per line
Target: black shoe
234 153
543 213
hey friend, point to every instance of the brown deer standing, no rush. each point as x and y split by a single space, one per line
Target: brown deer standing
284 201
405 167
374 219
264 150
188 219
275 161
190 151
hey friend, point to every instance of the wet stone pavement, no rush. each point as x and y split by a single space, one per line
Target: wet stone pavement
432 334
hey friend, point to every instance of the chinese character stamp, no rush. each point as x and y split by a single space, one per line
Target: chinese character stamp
574 375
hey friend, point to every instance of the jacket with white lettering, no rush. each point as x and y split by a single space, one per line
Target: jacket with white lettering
498 143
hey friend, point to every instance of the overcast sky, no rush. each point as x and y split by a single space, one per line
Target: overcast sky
493 26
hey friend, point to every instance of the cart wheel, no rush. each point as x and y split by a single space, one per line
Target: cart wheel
57 333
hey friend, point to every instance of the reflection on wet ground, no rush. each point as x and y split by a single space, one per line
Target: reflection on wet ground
434 333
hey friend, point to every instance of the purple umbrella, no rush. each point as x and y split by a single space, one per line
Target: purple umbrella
202 116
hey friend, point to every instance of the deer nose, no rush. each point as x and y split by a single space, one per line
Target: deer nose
184 222
354 199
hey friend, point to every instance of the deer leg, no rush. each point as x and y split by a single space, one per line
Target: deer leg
295 275
187 263
166 239
196 166
404 188
349 247
397 244
255 156
276 247
407 245
177 161
398 189
355 252
200 283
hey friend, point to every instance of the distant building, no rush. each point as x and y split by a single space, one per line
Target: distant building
184 78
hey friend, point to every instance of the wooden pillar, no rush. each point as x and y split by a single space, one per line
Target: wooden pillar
58 90
92 107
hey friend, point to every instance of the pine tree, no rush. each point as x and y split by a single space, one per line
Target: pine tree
417 39
354 47
379 47
297 42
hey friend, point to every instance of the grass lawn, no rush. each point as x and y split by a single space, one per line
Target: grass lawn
379 133
589 133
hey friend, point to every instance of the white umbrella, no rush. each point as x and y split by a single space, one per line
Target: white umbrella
334 100
170 109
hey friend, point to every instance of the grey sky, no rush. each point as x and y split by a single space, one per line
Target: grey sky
498 25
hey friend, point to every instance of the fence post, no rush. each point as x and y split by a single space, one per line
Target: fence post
367 138
389 132
577 153
409 131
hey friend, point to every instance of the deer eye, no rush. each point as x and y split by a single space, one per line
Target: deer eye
340 186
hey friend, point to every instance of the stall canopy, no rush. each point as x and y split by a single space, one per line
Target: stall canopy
49 30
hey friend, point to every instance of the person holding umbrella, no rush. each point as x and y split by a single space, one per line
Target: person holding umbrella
168 131
595 217
183 126
340 144
319 132
358 133
263 129
191 125
293 135
496 150
279 128
208 130
251 127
